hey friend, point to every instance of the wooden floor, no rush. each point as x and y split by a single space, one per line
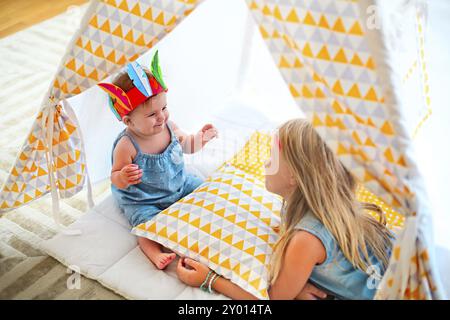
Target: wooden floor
16 15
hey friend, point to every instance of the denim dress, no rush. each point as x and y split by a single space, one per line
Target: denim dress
164 181
336 275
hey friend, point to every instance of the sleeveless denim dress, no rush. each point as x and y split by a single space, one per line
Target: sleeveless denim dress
164 181
336 275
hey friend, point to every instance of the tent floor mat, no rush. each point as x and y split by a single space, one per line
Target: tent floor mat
107 252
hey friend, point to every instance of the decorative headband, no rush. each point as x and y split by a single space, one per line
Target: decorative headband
121 102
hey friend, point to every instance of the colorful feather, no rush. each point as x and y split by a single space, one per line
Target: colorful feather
113 109
156 70
139 78
117 94
156 87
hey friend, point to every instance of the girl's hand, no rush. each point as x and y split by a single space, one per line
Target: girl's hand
208 132
194 276
131 174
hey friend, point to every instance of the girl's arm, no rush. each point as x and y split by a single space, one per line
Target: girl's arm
186 140
303 252
229 289
191 143
123 171
196 274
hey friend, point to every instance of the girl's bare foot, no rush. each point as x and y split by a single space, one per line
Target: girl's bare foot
162 260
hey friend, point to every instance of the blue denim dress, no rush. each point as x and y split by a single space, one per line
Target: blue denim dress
336 275
164 181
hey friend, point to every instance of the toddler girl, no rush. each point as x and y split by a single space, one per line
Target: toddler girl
148 173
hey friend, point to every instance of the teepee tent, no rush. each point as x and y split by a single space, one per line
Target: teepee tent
335 59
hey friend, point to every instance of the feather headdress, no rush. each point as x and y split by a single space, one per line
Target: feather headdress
121 102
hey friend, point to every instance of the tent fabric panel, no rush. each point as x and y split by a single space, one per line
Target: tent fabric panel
30 177
399 53
322 53
113 33
410 275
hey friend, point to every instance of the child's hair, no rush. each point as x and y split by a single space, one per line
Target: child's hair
123 81
328 190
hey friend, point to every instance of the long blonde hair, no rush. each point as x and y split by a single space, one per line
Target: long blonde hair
327 189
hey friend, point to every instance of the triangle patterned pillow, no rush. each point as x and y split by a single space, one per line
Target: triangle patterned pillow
227 223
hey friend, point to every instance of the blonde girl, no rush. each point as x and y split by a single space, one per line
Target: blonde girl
326 237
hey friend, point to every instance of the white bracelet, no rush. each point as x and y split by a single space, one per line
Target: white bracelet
210 282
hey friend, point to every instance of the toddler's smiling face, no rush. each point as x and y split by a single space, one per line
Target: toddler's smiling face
149 118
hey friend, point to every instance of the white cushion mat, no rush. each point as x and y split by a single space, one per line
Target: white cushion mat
106 251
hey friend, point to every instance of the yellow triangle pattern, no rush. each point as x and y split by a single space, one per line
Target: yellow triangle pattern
70 78
32 167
